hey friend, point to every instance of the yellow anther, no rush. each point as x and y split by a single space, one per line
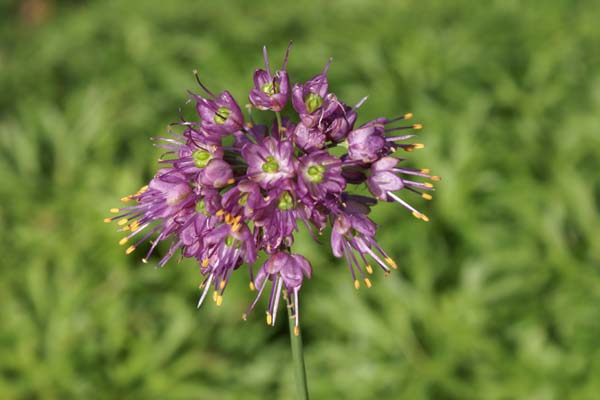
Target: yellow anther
215 295
236 227
125 199
219 300
249 124
222 284
244 316
296 331
408 115
231 181
220 212
107 220
409 149
368 283
134 225
419 146
356 284
426 196
114 210
130 250
425 171
236 219
417 126
122 222
369 269
143 189
436 178
416 215
428 185
205 263
269 318
126 228
424 218
123 241
391 262
145 260
252 287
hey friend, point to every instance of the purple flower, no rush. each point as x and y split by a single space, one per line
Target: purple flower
229 190
270 92
320 175
283 270
269 162
221 116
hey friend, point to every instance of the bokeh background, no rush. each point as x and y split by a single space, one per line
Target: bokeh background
498 297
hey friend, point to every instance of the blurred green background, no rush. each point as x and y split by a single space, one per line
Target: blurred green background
498 297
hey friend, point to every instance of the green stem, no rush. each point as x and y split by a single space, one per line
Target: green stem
298 357
279 123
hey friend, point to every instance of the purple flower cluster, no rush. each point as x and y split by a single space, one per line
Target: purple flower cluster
230 187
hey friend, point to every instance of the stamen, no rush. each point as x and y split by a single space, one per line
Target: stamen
107 220
426 196
417 126
296 330
269 318
369 269
130 250
123 241
356 284
252 287
122 222
114 210
368 283
219 300
436 178
391 262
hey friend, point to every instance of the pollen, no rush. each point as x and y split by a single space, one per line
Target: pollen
236 227
215 296
130 250
222 284
417 126
428 185
426 196
368 283
205 263
425 171
424 217
408 115
107 220
220 212
125 199
122 222
436 178
391 262
269 318
356 284
123 241
419 146
219 300
369 269
252 287
231 181
114 210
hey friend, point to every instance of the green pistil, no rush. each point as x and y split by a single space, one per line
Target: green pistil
243 200
286 202
313 101
315 173
268 88
201 207
229 241
201 158
270 166
221 115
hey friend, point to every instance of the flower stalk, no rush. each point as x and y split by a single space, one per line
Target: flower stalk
297 357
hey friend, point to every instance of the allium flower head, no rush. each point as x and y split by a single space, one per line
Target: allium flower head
229 190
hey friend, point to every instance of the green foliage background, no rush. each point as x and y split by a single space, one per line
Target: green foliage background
498 297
